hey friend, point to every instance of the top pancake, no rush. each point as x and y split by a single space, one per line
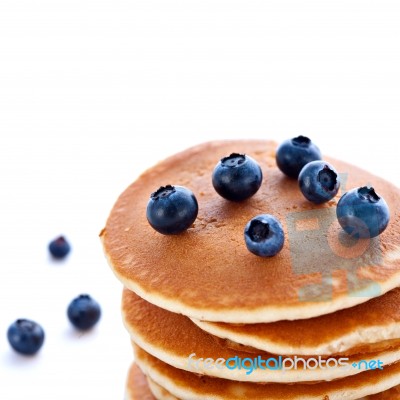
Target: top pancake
207 272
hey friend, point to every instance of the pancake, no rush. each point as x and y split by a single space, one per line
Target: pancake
172 338
137 387
362 349
189 386
141 388
360 329
207 272
159 392
391 394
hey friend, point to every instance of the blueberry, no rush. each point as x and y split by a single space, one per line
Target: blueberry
84 312
362 213
293 154
237 177
25 336
264 235
172 209
59 247
319 182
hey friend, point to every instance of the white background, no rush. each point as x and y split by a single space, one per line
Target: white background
94 92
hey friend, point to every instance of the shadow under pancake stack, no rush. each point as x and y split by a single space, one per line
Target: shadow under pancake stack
210 320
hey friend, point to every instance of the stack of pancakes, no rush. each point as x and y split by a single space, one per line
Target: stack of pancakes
196 303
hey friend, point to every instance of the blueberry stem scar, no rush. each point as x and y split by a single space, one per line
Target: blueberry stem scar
233 160
368 193
258 231
162 191
327 178
301 140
